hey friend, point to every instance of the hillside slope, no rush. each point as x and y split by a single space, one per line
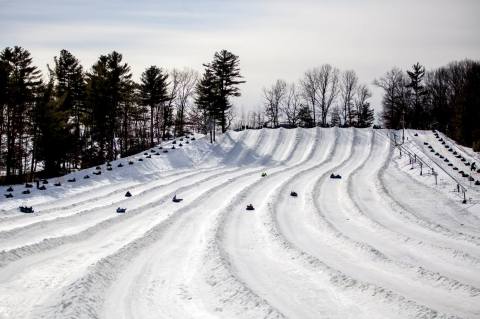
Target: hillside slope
381 242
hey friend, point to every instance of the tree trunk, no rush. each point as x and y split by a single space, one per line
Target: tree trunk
32 164
214 128
211 130
222 121
10 148
151 126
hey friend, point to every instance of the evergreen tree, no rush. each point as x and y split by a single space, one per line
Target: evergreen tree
70 90
417 115
226 70
53 141
336 119
22 84
364 113
98 106
132 137
305 116
366 116
206 99
108 86
120 80
4 78
153 92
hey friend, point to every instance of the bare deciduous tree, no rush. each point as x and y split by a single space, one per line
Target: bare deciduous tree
291 104
329 87
198 119
273 99
393 83
320 88
185 82
348 90
310 88
362 95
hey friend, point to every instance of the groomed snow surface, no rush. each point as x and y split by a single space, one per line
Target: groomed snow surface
381 242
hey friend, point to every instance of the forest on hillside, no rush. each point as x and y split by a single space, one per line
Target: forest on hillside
445 99
77 119
73 118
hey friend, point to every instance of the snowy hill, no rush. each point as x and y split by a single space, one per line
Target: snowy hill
382 241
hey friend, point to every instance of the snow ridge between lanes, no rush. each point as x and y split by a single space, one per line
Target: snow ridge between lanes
382 242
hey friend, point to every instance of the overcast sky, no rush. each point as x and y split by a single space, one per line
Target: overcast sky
274 39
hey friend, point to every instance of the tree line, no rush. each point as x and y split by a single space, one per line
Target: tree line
77 119
324 96
446 99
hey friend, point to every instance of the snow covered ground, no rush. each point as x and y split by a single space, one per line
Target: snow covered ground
382 242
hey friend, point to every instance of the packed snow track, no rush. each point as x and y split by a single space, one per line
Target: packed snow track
382 241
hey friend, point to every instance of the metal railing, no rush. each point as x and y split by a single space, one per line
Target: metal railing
415 158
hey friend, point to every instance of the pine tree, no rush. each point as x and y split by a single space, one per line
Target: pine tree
108 86
97 99
4 77
131 112
336 119
120 79
53 141
226 70
417 118
70 89
23 82
305 117
364 114
153 92
206 99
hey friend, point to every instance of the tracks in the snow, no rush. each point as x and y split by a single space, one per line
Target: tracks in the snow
362 244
